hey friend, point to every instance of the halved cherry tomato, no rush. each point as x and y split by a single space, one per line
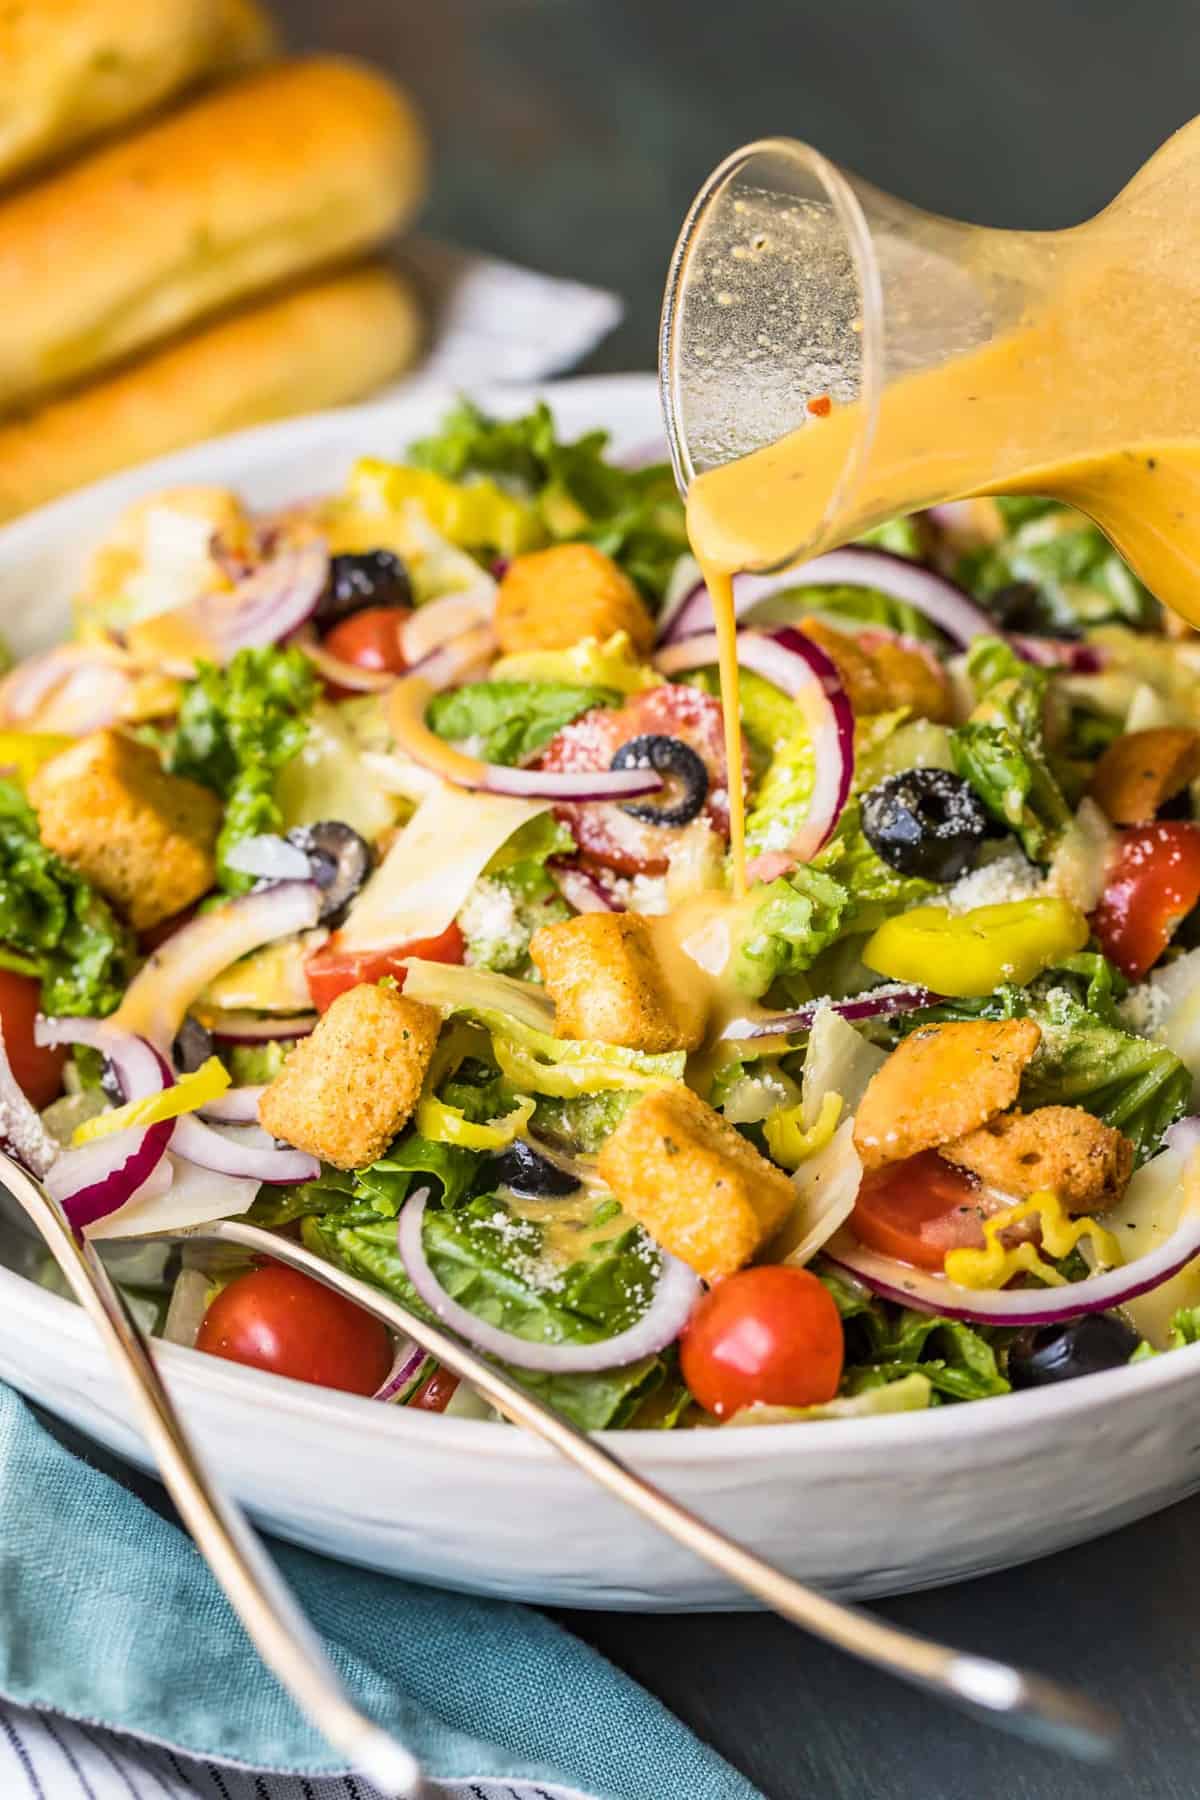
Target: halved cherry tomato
917 1209
1153 883
435 1392
38 1071
330 970
604 831
278 1319
770 1334
370 639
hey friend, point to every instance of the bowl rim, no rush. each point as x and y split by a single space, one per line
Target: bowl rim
1000 1417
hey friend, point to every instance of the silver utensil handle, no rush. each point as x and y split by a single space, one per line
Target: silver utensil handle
274 1623
1026 1703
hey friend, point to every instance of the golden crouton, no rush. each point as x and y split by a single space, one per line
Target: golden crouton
168 537
1083 1161
608 981
143 837
345 1092
1142 770
550 599
879 672
940 1083
694 1183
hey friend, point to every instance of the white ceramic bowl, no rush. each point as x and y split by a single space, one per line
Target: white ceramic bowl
859 1507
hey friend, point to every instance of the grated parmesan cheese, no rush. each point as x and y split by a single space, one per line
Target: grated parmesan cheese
1011 876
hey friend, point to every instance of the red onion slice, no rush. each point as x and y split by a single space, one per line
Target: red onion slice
227 1153
792 662
907 1286
138 1067
878 1003
271 603
160 993
942 601
236 1106
1059 653
440 622
253 1028
98 1178
409 1360
675 1295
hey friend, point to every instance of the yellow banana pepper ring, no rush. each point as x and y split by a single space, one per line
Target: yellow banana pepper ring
790 1143
443 1124
995 1265
968 955
189 1092
475 515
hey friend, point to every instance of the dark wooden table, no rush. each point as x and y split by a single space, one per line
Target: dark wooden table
570 135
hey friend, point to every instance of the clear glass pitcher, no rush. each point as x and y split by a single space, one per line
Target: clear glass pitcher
872 358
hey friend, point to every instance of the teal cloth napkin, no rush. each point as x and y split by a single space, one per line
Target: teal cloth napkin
110 1615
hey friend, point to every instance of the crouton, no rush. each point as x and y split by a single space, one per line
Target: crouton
607 980
1142 770
550 599
345 1091
143 837
879 672
940 1083
695 1184
1081 1160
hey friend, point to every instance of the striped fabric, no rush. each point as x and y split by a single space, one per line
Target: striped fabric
43 1757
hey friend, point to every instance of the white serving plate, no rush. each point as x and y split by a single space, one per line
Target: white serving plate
859 1507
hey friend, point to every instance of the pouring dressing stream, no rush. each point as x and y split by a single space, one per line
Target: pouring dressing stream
832 357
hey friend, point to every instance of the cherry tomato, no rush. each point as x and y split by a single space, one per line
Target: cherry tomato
329 971
602 829
278 1319
435 1392
917 1209
771 1334
370 640
38 1071
1153 883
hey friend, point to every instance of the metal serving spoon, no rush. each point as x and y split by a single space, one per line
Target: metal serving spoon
1028 1704
274 1623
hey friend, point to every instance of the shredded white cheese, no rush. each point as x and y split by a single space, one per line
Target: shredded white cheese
1010 876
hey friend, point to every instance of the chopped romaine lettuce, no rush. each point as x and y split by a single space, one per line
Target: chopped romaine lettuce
634 515
582 1122
796 917
252 1064
237 728
886 1343
1076 576
53 924
510 721
1001 750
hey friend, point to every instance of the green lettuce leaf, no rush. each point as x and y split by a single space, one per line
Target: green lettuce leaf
797 917
237 728
490 1263
53 924
1077 577
1001 750
633 515
510 721
582 1122
886 1343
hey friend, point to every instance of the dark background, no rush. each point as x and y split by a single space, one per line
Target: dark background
570 135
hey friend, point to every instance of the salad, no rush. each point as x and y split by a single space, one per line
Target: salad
364 872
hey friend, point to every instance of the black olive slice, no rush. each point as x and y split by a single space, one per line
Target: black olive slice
339 861
528 1171
925 822
1048 1353
356 581
684 773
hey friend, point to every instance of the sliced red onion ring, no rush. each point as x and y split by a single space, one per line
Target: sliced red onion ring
675 1295
1059 653
406 715
792 662
907 1286
98 1178
441 622
21 1128
271 603
76 687
583 890
879 1003
236 1106
160 993
253 1028
270 857
410 1359
942 601
138 1067
339 673
229 1153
